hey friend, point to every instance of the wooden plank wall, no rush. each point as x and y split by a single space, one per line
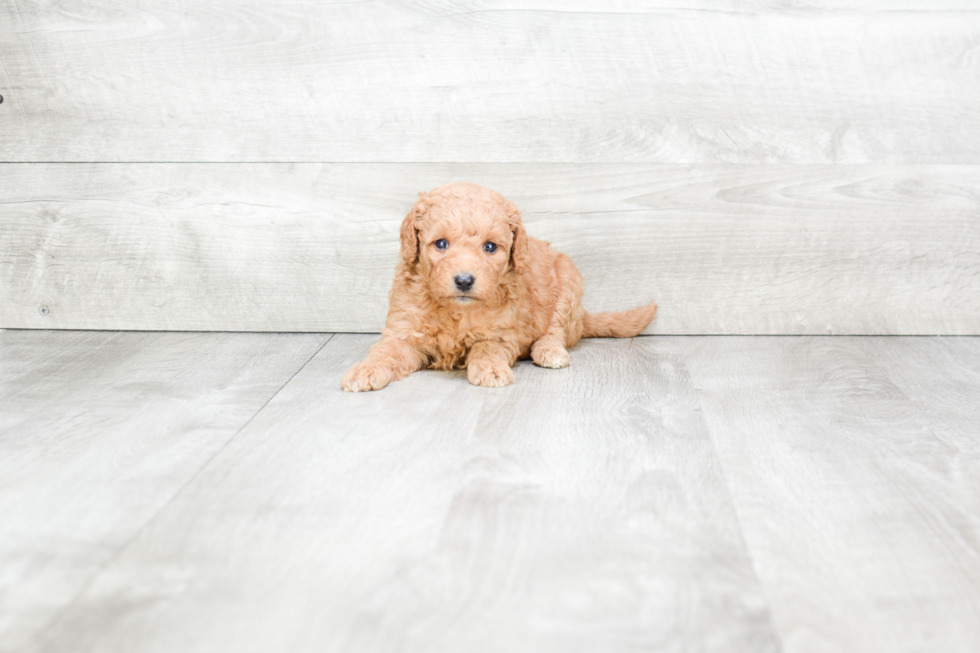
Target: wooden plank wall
808 167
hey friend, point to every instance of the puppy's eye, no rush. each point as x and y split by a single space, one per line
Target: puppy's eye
442 243
489 247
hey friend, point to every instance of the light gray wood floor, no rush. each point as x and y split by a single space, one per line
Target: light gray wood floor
218 492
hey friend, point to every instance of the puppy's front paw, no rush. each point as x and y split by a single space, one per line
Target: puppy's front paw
489 374
551 356
363 377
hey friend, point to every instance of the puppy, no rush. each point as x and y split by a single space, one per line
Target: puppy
472 290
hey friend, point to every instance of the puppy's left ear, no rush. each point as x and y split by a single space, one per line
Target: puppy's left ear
410 232
518 249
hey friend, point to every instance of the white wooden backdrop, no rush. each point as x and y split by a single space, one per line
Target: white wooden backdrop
757 167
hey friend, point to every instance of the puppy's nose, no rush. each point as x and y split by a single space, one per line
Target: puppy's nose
464 281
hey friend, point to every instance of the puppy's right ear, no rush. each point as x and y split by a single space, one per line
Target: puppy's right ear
410 230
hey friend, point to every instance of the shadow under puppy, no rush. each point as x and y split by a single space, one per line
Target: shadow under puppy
474 291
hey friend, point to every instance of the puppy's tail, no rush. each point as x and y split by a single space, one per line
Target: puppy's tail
619 324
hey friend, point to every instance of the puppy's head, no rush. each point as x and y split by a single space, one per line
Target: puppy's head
463 240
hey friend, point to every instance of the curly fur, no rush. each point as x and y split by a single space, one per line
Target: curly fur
525 301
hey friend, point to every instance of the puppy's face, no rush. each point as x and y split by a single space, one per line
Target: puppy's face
464 250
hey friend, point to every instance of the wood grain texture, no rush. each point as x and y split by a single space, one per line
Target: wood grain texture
861 520
527 80
577 510
312 247
940 377
98 432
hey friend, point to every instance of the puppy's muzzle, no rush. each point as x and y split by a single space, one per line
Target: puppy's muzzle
464 281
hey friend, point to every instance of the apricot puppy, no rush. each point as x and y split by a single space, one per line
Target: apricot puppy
472 290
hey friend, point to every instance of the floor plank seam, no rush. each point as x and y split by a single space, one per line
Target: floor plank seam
776 635
122 548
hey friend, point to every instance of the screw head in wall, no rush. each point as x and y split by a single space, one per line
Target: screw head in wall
43 310
1 99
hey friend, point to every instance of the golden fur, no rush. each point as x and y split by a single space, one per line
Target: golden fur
525 299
